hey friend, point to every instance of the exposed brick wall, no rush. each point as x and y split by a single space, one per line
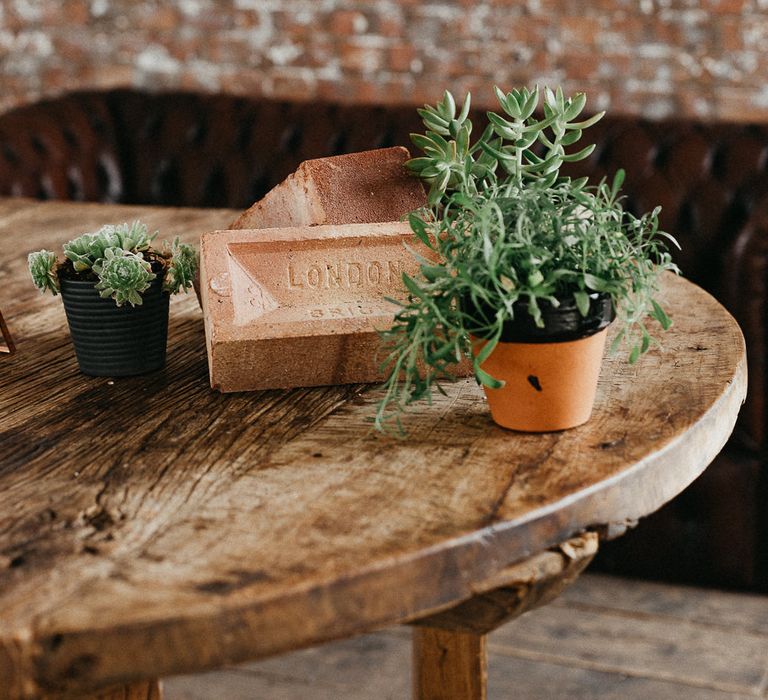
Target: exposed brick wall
652 57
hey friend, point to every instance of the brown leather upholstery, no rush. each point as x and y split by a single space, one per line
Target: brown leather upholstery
62 149
193 150
178 149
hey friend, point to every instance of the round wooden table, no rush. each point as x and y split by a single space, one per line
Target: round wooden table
150 526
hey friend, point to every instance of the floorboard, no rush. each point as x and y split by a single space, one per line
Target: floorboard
604 639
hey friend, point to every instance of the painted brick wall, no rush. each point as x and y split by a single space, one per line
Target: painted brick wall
652 57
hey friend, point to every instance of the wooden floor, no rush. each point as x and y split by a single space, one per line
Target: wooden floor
604 639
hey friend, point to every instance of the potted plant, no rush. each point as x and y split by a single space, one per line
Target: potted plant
521 268
116 288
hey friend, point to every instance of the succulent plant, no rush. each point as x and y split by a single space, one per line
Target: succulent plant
85 250
123 275
181 268
506 231
42 267
134 236
120 257
506 153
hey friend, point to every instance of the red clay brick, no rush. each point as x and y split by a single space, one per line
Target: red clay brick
733 7
401 57
295 299
348 22
300 306
362 59
581 30
390 25
356 188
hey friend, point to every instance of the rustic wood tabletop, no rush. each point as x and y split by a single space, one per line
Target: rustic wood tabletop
150 526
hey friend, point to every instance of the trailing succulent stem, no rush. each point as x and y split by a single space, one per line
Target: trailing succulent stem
120 259
42 267
504 230
181 267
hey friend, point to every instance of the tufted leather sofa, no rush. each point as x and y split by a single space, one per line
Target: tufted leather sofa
711 179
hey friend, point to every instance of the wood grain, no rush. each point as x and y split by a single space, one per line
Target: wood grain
143 690
449 665
747 612
518 588
149 526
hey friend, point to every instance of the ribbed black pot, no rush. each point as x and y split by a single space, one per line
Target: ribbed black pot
561 323
116 341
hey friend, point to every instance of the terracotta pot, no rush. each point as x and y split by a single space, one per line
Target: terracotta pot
548 385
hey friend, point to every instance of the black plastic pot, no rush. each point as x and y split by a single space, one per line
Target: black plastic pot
561 323
116 341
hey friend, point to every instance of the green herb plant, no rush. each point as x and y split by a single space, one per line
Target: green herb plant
121 261
504 231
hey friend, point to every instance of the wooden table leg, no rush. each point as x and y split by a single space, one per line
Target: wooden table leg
449 654
449 665
142 690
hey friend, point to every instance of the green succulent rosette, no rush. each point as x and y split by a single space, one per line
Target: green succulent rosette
134 236
123 276
42 267
86 250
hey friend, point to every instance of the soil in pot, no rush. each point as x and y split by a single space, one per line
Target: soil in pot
116 341
550 374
